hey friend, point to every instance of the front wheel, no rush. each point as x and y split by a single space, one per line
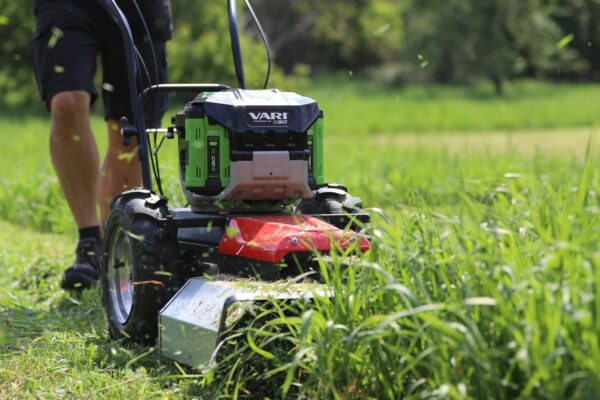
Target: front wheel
137 267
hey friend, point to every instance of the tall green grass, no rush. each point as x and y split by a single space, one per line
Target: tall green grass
482 282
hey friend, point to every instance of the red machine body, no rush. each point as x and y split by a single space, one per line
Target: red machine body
270 238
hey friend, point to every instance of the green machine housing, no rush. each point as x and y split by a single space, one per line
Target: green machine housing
250 145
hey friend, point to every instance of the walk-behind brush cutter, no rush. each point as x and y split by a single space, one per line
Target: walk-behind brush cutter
251 168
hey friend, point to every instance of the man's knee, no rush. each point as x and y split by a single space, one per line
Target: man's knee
70 107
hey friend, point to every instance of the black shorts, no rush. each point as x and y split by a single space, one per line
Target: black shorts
66 46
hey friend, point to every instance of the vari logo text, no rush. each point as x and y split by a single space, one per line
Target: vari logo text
274 118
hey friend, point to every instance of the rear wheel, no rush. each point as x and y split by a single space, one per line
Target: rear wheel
138 266
332 199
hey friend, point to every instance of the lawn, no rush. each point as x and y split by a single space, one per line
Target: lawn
363 109
482 282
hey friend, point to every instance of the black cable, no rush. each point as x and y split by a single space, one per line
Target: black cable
153 158
154 60
264 38
155 101
234 35
142 67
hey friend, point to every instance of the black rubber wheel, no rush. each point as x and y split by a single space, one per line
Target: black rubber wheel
330 199
137 266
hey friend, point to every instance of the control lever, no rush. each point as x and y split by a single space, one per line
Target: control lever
127 131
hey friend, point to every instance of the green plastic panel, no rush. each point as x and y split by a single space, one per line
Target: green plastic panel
208 153
315 145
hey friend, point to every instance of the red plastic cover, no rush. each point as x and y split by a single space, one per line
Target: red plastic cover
270 238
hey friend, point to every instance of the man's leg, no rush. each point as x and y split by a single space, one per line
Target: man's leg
121 168
75 155
75 158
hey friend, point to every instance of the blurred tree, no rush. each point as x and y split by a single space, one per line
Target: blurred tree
579 18
449 40
201 50
465 39
17 82
335 34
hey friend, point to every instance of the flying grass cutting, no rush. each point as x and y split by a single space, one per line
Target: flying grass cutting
482 282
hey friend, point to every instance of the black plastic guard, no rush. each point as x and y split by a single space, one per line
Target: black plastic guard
262 110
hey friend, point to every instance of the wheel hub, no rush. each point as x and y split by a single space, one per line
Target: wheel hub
120 274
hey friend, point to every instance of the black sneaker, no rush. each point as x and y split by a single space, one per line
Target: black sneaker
85 271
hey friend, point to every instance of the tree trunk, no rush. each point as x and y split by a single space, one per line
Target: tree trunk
498 85
444 72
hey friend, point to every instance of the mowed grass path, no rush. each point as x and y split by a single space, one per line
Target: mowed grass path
483 280
53 345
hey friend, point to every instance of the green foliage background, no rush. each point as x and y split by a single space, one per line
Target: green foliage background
394 41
